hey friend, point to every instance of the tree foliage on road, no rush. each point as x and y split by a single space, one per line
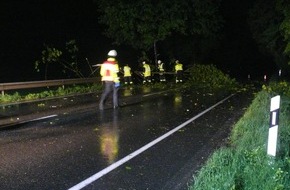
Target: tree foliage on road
142 23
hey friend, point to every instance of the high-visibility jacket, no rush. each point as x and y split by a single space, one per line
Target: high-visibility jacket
160 67
178 67
127 71
147 70
109 70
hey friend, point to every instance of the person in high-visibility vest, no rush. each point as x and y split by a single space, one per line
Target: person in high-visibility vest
109 72
178 71
146 73
127 75
161 71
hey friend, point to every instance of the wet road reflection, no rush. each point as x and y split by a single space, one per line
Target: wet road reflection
177 99
60 152
108 134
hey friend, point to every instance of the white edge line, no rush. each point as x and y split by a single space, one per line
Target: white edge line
155 93
45 117
37 119
27 121
140 150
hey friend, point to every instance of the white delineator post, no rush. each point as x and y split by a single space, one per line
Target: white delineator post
274 122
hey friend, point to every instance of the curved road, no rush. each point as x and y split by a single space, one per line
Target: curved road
155 141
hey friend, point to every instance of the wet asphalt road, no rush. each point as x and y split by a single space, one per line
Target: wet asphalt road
61 151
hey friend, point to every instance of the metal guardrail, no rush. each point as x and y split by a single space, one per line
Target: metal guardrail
47 83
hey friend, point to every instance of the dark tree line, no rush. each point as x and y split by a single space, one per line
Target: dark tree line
164 27
193 30
270 26
241 37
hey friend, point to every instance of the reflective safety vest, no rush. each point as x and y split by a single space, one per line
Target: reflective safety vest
127 71
109 70
178 67
147 72
160 67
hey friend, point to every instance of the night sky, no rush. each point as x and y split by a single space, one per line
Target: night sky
27 25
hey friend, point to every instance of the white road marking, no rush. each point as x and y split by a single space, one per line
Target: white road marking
139 151
152 94
41 118
26 121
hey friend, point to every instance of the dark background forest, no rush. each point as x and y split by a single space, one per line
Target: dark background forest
239 37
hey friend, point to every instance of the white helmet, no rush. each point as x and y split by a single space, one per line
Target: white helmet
159 61
143 62
112 53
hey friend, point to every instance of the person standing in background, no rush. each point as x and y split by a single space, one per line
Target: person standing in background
146 73
161 71
178 71
127 75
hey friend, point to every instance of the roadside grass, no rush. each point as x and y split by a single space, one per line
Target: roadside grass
200 76
44 93
49 93
244 163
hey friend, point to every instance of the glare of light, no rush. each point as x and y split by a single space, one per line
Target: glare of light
146 89
109 139
127 92
177 99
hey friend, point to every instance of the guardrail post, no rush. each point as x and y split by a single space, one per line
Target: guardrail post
62 85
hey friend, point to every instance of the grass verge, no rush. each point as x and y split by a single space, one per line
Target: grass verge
244 164
48 93
200 76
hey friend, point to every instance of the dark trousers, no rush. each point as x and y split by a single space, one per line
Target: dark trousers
128 80
162 76
109 87
179 76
